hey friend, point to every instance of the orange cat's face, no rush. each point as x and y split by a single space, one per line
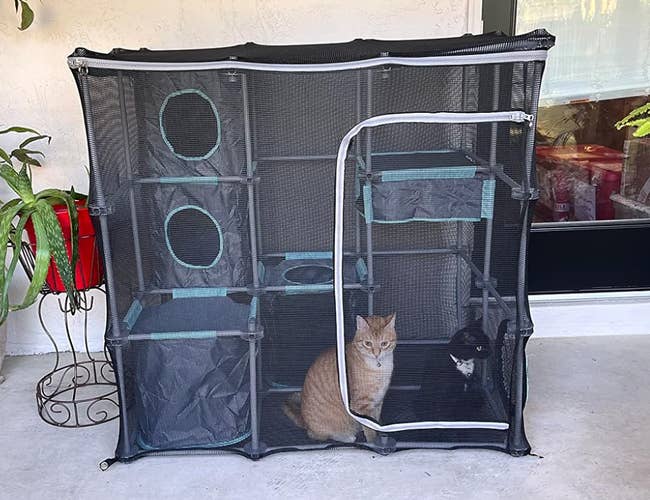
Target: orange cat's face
376 336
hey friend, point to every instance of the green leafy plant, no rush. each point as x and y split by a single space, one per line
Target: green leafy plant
37 207
639 118
26 14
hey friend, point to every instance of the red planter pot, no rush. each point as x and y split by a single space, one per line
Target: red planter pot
89 271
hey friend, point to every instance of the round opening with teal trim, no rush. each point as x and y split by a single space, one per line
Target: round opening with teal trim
309 274
193 237
190 125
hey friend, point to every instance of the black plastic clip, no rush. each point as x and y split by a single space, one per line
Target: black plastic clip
525 330
252 336
480 284
106 463
255 453
519 194
97 211
115 342
384 445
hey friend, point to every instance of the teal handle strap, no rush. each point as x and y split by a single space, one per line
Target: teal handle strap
185 293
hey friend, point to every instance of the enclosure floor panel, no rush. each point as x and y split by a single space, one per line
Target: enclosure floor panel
275 427
276 430
399 407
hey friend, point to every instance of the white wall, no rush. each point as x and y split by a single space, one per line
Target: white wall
37 89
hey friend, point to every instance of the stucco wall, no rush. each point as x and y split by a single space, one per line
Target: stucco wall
38 89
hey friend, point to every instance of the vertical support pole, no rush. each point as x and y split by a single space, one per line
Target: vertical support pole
459 234
368 184
249 182
459 298
517 443
489 223
252 367
252 225
258 226
125 440
357 236
129 176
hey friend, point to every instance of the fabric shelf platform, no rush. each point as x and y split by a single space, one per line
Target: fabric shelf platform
426 186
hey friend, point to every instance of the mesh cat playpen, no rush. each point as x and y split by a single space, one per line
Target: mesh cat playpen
252 200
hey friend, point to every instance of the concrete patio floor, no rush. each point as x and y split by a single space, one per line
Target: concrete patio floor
588 415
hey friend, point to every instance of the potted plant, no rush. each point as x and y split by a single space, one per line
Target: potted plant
639 118
52 218
633 200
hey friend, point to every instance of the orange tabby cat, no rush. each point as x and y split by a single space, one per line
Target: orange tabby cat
369 361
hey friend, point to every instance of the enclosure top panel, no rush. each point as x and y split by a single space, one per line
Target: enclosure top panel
537 42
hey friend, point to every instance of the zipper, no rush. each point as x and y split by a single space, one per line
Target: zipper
445 117
446 60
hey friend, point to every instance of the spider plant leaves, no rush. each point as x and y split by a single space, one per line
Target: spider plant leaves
38 208
28 141
637 119
26 14
25 156
5 156
19 130
7 214
41 264
21 153
56 197
643 130
16 239
54 236
19 182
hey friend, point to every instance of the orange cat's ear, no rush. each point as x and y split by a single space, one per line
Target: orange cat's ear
362 324
390 321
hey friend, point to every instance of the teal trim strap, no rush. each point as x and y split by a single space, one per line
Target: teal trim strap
252 312
411 174
303 289
487 199
189 180
133 313
220 444
261 271
362 269
214 221
185 293
367 204
307 255
390 153
193 334
164 134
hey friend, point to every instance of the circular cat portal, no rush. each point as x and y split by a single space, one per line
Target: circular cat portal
190 126
193 237
309 274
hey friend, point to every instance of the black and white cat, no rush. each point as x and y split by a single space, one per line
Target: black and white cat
451 385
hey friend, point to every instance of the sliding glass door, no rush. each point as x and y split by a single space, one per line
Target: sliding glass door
592 221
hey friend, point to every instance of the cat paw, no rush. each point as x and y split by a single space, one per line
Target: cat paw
345 438
370 434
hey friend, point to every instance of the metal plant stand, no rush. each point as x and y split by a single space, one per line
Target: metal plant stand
81 393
